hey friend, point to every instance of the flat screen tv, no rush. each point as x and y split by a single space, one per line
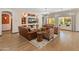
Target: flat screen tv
32 20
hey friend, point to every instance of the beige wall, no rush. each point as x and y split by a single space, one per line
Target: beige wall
77 21
0 24
1 18
17 14
16 18
68 14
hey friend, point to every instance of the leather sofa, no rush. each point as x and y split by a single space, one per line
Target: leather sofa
48 34
56 29
28 34
49 31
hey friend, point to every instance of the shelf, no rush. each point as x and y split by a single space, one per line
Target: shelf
32 24
31 17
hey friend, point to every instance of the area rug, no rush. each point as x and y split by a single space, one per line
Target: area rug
42 43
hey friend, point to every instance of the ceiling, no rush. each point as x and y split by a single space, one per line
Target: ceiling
40 10
47 10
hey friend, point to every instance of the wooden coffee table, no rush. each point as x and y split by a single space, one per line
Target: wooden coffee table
39 36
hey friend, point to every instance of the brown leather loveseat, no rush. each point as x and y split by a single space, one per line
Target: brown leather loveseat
24 31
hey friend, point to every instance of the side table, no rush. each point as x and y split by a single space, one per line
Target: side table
39 36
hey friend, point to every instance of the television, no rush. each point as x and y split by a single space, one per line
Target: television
32 20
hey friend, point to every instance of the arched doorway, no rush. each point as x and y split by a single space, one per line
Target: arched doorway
6 21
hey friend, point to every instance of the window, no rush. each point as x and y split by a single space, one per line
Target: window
51 21
65 21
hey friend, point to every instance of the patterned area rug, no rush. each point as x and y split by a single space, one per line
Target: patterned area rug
42 43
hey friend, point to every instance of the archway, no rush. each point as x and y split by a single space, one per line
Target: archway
6 21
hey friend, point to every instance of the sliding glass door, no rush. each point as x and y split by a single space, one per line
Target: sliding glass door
65 23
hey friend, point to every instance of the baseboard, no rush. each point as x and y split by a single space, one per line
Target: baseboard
76 31
65 30
15 32
5 30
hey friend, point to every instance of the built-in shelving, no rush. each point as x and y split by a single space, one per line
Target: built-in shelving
31 21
